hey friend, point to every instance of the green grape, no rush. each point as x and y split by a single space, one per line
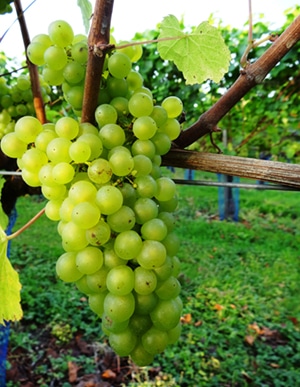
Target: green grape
134 80
119 65
146 186
169 205
63 173
21 109
97 281
58 150
120 280
65 211
52 208
166 189
74 96
80 151
82 190
12 146
128 193
53 77
142 165
67 127
73 73
117 87
140 323
86 127
144 128
53 192
145 281
33 159
61 33
159 115
85 215
121 220
152 254
164 271
112 135
144 304
121 163
80 52
171 243
121 106
66 267
171 128
45 175
143 147
145 209
94 143
73 237
128 244
154 229
169 288
140 104
175 266
155 340
137 53
105 114
55 58
42 140
166 314
119 308
98 235
174 334
27 128
123 342
43 39
111 326
23 82
6 101
140 356
89 260
31 178
35 52
96 302
162 143
109 199
111 259
173 105
168 218
100 171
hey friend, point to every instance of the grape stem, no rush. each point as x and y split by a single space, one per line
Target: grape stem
33 70
27 225
98 41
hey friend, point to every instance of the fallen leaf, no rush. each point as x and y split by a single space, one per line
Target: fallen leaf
254 327
108 374
186 318
72 369
250 339
275 365
198 323
218 307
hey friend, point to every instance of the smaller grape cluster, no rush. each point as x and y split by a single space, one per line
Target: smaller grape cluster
114 208
16 100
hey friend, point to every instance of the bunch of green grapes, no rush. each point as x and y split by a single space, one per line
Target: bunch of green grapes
16 100
113 207
5 6
62 58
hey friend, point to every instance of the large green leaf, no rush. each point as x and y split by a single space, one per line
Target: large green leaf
200 55
10 287
86 11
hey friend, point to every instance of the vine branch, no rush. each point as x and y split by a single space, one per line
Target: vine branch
98 41
38 102
249 78
27 225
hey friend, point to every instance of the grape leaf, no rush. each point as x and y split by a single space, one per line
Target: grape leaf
10 287
200 55
86 12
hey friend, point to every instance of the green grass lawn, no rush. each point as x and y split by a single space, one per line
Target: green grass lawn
240 288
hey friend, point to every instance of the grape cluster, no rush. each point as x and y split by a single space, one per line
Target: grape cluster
113 207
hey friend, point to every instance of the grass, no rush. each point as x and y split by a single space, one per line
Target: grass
240 287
